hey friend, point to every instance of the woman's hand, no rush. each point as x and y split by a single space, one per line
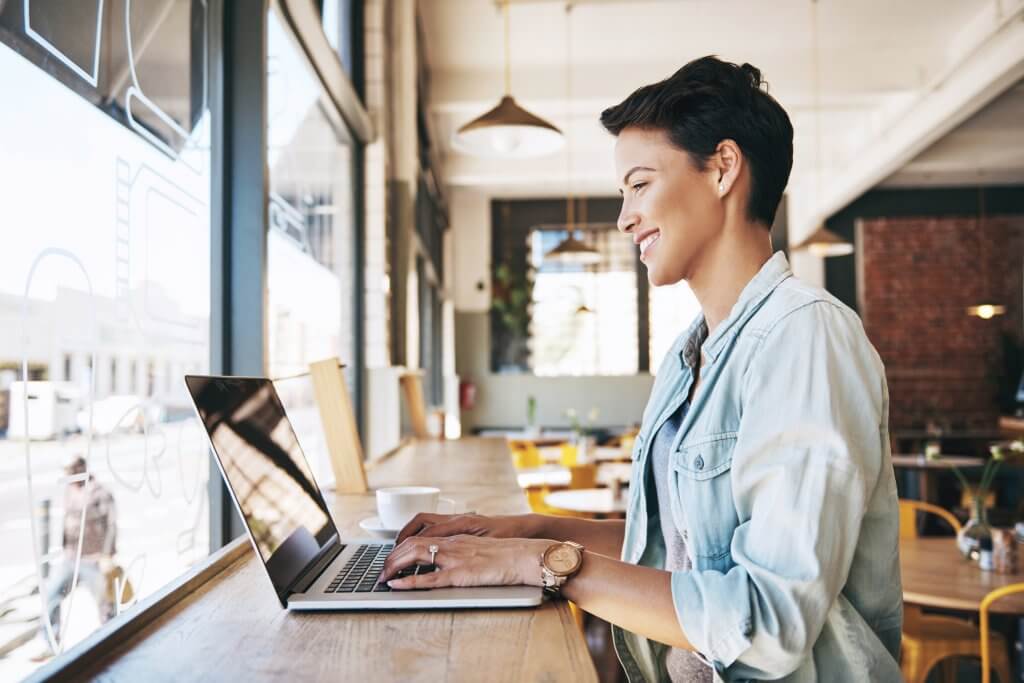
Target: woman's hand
434 525
467 561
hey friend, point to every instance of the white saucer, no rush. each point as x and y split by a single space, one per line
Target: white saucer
376 527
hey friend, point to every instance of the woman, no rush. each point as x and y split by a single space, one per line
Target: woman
761 535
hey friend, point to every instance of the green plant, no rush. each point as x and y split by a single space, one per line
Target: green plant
510 300
574 421
999 452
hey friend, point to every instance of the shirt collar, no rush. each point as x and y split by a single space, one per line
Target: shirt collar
772 273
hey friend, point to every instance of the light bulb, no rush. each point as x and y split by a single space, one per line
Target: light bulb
506 139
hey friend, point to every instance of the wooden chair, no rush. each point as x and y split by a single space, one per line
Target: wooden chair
412 390
928 639
341 434
997 659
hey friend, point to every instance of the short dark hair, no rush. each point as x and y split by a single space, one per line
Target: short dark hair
708 101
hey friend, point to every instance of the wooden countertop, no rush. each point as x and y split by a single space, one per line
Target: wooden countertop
935 574
232 628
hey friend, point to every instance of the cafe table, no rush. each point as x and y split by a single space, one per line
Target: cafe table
925 468
935 574
558 476
597 502
597 454
222 621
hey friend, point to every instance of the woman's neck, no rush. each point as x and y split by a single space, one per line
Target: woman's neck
727 268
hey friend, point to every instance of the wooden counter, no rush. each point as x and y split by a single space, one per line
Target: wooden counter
233 628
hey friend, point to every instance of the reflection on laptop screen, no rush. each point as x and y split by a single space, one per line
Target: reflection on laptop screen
264 466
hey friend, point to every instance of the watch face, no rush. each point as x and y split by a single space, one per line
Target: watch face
562 559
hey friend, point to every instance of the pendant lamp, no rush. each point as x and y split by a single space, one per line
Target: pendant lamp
822 242
508 131
571 250
986 309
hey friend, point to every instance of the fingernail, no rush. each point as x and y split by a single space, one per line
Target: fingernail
391 584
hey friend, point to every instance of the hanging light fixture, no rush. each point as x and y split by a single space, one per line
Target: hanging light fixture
987 309
508 131
571 250
822 242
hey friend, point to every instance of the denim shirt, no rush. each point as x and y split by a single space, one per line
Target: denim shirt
782 472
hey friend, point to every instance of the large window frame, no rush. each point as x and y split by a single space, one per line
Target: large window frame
238 252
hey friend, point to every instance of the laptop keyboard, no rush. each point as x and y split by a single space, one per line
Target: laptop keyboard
360 573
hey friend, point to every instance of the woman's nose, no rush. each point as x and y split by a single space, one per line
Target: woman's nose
627 221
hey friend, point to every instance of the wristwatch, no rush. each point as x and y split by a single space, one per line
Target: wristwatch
559 562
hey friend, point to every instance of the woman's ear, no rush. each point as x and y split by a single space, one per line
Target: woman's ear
728 162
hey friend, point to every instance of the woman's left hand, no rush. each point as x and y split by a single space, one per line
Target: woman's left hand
467 561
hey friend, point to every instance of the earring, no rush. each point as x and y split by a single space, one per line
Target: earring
721 188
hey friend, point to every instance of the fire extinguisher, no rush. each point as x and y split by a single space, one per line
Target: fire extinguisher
467 395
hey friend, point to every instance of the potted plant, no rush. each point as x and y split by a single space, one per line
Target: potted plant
510 313
977 527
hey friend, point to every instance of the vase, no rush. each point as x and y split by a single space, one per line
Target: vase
977 528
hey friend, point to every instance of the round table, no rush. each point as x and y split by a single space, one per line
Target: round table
597 454
588 501
557 476
935 574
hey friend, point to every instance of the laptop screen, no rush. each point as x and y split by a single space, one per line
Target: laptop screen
267 473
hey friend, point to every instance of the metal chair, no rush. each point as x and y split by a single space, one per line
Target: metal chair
928 639
997 659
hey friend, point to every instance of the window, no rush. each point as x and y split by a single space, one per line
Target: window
311 274
106 171
672 309
556 320
584 317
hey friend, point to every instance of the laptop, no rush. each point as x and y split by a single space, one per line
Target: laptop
288 522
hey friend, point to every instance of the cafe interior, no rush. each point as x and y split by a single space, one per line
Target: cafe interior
403 214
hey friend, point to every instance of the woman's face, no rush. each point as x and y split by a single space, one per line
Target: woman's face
672 210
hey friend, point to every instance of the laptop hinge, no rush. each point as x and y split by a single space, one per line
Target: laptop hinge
313 572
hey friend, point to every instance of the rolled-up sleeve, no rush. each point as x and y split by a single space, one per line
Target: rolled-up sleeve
807 454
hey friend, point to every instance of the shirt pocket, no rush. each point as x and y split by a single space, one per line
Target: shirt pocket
703 502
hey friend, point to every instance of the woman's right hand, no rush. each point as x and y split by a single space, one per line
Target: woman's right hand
436 525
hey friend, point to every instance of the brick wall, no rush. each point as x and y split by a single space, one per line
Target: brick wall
919 275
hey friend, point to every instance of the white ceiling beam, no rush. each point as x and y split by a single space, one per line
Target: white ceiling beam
989 54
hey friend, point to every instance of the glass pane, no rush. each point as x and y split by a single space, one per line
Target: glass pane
310 267
337 18
672 309
105 303
584 317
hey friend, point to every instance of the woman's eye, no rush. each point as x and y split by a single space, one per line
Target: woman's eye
637 186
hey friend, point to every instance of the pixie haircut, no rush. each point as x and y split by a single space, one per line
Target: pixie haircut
708 101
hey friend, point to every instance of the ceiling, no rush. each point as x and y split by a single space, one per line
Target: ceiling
878 59
987 149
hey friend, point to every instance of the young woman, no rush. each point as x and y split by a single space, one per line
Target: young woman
761 535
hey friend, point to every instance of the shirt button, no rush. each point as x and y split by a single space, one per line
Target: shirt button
699 463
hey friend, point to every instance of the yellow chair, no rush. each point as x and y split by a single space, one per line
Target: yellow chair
583 476
928 639
568 457
525 455
997 659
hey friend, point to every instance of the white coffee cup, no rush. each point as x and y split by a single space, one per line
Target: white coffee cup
397 505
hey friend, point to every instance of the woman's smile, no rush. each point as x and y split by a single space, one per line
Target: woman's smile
647 242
